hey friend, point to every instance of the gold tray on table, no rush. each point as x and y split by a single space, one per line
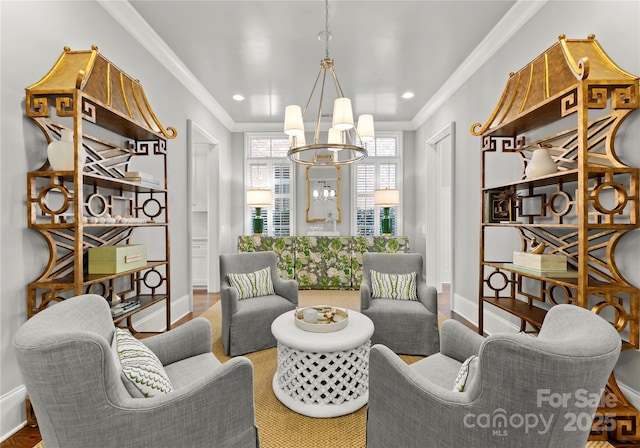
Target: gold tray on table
329 319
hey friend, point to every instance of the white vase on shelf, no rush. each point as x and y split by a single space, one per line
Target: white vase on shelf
60 152
540 164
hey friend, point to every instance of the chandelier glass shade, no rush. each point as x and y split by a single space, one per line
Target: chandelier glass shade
345 141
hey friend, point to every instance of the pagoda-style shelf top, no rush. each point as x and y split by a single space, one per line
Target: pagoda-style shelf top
101 82
537 89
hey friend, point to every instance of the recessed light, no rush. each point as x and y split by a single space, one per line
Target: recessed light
238 97
407 95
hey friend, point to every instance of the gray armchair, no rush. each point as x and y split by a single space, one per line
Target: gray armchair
407 327
246 323
74 381
521 390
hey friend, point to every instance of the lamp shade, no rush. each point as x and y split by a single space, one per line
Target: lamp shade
334 137
259 198
342 114
365 128
386 197
293 124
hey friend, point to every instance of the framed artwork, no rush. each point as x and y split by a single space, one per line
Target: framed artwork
497 209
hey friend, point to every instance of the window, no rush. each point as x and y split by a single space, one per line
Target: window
381 169
268 167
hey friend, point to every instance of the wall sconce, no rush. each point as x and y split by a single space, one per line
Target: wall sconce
259 198
386 198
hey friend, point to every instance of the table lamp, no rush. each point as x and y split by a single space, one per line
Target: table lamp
386 198
259 198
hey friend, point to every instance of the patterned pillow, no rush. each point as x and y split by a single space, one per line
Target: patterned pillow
463 374
393 286
140 367
252 284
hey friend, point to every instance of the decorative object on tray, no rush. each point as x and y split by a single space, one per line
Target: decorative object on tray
535 247
540 164
321 318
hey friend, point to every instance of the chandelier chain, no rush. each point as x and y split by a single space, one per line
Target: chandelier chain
326 27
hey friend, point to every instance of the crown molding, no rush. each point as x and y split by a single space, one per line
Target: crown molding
132 21
519 14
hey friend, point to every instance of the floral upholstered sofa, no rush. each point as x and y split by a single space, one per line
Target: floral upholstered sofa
322 262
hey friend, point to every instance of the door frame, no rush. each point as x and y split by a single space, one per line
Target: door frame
435 165
197 135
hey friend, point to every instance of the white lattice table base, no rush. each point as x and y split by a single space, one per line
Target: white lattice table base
323 384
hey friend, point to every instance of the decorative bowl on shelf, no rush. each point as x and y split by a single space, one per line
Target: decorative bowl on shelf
321 318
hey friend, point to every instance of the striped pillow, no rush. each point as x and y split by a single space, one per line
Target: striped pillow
393 286
252 284
140 367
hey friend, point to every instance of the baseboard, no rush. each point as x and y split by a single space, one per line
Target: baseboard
12 412
153 319
495 320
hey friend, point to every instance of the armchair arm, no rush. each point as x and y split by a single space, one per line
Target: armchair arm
365 295
428 295
217 409
190 339
409 401
457 341
229 299
286 288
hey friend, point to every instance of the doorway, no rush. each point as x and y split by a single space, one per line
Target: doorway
204 229
439 209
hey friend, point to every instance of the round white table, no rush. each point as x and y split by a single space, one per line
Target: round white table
322 374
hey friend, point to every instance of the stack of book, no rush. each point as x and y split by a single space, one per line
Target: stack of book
139 176
124 307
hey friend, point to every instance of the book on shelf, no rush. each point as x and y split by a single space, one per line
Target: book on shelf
155 183
566 273
138 175
124 307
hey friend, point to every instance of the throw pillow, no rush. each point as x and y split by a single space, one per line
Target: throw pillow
393 286
252 284
140 367
463 374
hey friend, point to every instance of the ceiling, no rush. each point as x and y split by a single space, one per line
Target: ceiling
269 51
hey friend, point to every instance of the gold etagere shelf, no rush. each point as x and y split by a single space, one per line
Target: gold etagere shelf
581 211
95 204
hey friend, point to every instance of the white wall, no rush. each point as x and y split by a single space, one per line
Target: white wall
33 35
617 28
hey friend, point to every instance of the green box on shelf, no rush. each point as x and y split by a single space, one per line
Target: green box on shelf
116 259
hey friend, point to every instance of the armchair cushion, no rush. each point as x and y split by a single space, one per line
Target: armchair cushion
393 286
252 284
141 368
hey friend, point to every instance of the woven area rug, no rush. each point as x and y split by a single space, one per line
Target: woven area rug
280 427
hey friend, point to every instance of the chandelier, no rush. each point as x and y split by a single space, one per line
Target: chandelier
345 143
